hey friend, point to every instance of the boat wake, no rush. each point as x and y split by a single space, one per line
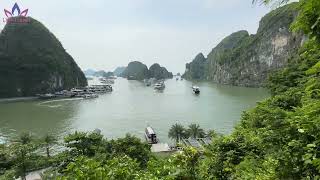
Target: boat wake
47 103
55 106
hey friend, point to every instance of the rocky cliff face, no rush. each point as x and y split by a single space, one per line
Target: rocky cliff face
158 72
245 60
32 60
89 72
197 69
139 71
136 71
118 71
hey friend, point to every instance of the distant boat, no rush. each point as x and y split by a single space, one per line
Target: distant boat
112 77
160 86
106 81
150 136
100 89
90 96
147 82
46 96
131 78
76 91
63 94
196 89
110 81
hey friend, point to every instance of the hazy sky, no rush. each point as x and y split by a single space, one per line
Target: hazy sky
104 34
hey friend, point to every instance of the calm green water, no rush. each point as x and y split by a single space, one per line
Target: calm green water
130 108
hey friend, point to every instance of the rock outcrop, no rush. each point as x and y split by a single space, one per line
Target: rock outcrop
197 69
136 71
245 60
89 72
118 71
139 71
100 73
32 60
158 72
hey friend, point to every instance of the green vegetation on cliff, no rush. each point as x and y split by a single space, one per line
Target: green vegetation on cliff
279 138
197 69
135 71
246 60
225 51
158 72
32 60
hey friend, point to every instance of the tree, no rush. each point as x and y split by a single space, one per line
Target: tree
212 134
48 141
187 161
176 132
132 147
194 131
24 138
162 168
308 19
5 160
22 148
84 144
115 168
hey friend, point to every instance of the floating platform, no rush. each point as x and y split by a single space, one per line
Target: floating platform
197 143
160 147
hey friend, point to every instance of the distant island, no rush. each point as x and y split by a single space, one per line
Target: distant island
246 60
158 72
89 72
32 61
119 70
101 73
139 71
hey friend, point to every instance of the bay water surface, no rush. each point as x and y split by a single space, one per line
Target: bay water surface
130 108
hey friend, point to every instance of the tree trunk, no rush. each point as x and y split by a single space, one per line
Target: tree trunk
48 152
24 168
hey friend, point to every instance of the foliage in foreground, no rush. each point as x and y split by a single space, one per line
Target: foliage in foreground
90 156
278 139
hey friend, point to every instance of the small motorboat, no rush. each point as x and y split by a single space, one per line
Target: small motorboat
196 89
147 82
113 77
46 96
90 96
151 136
107 81
63 94
131 78
159 86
